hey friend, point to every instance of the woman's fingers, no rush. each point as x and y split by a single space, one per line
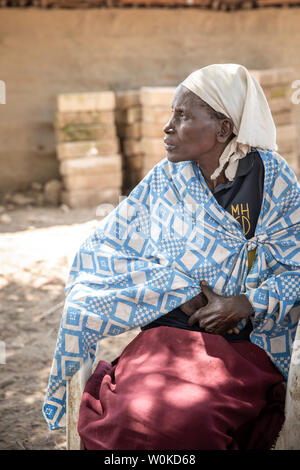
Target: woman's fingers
233 330
194 318
190 307
217 328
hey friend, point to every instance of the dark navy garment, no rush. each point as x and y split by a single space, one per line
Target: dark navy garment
242 198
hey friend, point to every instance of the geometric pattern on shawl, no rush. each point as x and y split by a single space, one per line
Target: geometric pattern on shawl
150 253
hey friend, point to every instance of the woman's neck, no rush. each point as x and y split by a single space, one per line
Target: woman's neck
213 183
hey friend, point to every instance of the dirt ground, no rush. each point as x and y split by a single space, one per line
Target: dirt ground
37 246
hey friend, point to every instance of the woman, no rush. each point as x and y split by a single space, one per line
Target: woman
207 369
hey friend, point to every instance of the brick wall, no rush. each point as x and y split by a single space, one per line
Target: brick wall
44 53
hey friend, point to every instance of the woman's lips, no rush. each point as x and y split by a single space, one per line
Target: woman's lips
169 145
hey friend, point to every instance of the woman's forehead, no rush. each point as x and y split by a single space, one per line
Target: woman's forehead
186 98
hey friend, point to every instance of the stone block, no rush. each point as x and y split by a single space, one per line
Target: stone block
134 162
271 77
292 160
84 117
128 116
150 161
131 147
157 96
287 139
121 117
159 114
133 114
278 91
52 192
140 130
127 99
278 105
131 131
132 179
91 101
283 118
90 197
152 130
80 132
101 180
87 149
153 147
91 165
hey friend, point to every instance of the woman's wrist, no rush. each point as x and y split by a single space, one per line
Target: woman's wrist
246 306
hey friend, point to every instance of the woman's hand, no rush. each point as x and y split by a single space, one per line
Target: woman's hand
221 314
192 305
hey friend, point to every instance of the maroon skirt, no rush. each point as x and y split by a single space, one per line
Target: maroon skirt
180 389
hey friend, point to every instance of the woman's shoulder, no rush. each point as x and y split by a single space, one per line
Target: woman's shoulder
277 165
271 156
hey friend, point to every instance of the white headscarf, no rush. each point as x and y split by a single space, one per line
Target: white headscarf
231 90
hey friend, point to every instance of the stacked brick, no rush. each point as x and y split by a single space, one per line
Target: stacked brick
267 3
141 116
68 3
88 149
87 126
276 84
208 4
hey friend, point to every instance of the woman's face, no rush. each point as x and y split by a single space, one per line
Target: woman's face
191 133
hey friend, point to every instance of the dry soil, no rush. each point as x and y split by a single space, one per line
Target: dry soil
37 247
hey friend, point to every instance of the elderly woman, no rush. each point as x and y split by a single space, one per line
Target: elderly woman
204 256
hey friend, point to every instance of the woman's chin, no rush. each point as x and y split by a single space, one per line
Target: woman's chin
173 156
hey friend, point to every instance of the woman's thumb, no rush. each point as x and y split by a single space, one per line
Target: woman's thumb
205 288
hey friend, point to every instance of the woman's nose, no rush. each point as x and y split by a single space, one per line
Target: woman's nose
169 127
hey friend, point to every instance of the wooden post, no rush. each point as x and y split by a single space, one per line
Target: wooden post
75 388
289 438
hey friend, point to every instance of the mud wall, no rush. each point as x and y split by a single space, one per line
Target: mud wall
46 52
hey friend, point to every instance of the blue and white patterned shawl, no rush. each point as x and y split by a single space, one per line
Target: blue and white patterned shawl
149 254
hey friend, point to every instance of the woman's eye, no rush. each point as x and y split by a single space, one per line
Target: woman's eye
179 114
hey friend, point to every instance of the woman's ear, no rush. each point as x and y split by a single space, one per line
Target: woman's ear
226 131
